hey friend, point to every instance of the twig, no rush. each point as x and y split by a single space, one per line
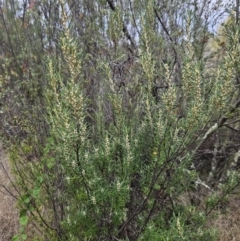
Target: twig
217 125
234 121
169 36
124 29
231 128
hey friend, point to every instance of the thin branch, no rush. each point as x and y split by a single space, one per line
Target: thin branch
124 29
234 121
217 125
231 128
221 198
8 191
163 25
237 11
111 5
134 20
12 183
169 36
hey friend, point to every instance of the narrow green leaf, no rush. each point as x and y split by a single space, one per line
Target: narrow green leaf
35 192
15 238
24 220
24 236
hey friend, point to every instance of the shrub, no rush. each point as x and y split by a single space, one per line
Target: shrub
112 140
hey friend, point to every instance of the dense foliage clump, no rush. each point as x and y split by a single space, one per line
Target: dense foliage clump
120 119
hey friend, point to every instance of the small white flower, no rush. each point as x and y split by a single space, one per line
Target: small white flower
118 186
86 156
73 163
68 220
94 200
68 179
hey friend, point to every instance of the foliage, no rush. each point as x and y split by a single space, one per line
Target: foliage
107 130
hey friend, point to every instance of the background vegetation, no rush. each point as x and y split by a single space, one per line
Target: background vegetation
120 118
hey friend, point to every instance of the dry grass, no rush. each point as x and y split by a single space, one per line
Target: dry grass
8 212
228 222
225 219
